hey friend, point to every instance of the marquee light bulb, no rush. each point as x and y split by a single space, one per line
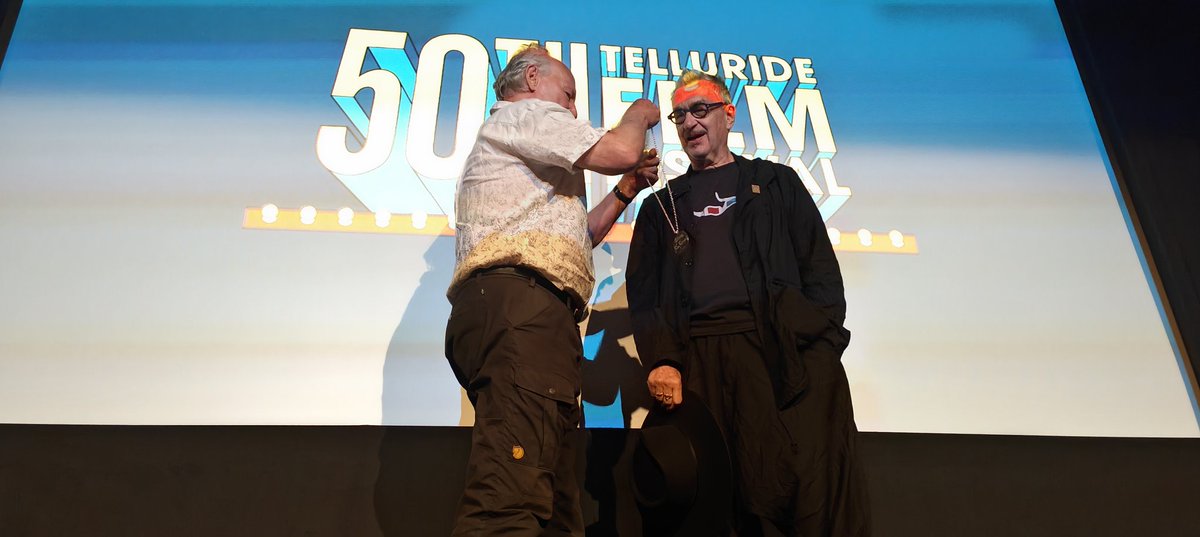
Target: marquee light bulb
864 237
270 213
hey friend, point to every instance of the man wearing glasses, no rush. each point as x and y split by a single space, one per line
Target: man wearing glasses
735 294
522 277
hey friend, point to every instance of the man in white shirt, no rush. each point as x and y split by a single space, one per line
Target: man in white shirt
522 279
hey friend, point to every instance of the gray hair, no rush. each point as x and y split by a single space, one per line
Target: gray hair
692 75
512 78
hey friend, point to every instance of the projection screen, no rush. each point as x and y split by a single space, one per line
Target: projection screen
218 212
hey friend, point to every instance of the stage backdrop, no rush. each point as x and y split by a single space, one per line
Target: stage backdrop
242 212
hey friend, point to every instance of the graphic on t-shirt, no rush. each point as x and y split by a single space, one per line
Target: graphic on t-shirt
717 210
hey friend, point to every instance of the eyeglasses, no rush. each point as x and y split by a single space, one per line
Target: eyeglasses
698 111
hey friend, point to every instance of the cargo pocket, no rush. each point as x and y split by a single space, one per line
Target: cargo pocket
537 425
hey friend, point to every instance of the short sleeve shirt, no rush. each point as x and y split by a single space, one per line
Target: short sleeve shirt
521 200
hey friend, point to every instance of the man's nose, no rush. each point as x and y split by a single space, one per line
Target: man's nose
681 127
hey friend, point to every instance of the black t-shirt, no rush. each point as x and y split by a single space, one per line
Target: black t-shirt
720 301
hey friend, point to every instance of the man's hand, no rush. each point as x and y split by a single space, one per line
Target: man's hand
643 112
666 385
645 175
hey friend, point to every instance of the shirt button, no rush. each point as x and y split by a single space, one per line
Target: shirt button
552 391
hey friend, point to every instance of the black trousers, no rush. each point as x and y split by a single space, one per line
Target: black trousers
516 349
795 469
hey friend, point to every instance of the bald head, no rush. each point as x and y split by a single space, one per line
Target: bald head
533 74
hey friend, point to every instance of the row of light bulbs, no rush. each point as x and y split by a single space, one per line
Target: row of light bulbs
866 238
345 215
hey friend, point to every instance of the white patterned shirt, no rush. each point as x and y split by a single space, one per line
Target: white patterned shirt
521 200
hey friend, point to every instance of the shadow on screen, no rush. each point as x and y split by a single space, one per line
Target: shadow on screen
614 392
416 355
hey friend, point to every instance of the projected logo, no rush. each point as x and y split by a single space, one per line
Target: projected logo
412 114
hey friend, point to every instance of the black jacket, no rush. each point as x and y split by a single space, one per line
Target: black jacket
791 273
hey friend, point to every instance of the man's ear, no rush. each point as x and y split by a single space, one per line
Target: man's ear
531 77
730 114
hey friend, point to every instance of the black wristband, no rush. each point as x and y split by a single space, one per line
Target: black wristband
621 196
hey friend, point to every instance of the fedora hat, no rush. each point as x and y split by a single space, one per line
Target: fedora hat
681 476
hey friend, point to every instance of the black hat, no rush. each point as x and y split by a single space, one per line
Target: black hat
682 479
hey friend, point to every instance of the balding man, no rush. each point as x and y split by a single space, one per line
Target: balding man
522 279
735 294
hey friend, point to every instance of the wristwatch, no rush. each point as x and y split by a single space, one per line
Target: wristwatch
621 196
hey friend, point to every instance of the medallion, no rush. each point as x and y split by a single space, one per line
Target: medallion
681 242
